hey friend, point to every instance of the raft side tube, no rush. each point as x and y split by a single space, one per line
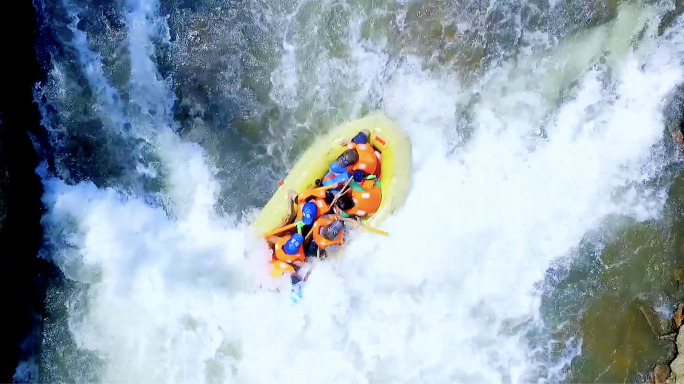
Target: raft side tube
396 166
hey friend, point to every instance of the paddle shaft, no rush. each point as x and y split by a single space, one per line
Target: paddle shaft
364 226
374 230
281 229
343 190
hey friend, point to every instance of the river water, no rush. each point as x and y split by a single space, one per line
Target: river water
546 203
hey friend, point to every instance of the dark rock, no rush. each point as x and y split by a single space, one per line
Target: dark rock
661 373
669 337
678 137
679 316
23 276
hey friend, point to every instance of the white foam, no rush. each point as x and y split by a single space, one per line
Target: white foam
110 108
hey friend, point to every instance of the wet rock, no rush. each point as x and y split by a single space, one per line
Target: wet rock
661 373
679 316
671 337
677 365
658 325
678 137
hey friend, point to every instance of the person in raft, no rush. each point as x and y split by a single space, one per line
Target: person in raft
328 236
358 161
288 251
368 159
311 204
288 255
362 198
338 171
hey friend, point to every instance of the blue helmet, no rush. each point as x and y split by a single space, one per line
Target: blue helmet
336 167
292 245
309 211
360 138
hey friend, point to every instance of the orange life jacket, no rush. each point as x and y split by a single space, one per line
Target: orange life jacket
365 202
319 196
321 241
368 161
282 256
280 267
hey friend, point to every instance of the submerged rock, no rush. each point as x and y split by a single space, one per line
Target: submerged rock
679 275
658 325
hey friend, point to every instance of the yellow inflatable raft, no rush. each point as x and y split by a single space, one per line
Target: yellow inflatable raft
395 175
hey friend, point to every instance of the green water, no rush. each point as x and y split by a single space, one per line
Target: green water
616 271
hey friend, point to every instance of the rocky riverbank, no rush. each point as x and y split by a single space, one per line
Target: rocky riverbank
674 372
670 329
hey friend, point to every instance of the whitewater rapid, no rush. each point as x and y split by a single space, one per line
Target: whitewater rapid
561 140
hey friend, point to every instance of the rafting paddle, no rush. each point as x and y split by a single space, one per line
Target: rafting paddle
364 226
379 232
343 190
281 229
